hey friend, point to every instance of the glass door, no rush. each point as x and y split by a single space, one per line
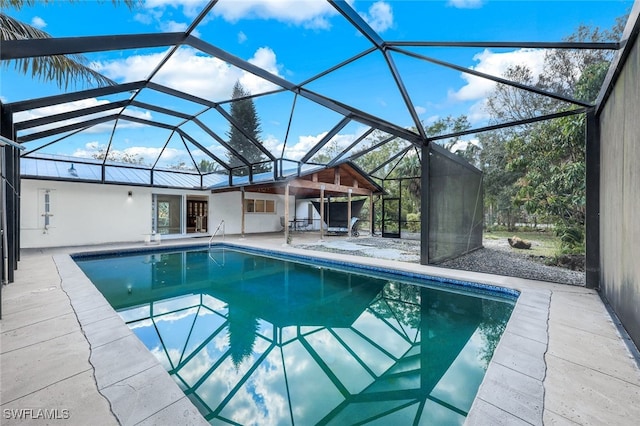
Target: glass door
167 214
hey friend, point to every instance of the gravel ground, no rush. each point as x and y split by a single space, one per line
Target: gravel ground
497 257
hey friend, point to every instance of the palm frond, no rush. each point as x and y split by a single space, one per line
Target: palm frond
64 70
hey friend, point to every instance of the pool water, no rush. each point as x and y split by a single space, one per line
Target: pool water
257 339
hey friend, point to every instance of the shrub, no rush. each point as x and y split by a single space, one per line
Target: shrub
413 222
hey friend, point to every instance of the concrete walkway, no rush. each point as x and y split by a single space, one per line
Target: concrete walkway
65 354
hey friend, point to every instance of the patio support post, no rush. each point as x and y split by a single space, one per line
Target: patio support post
286 214
242 212
322 212
592 219
371 213
349 213
424 205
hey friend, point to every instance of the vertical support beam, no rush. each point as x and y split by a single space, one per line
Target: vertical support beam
592 220
3 225
322 212
286 214
242 214
371 213
275 170
349 213
10 178
17 183
424 205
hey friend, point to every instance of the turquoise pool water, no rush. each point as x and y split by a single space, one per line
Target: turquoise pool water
258 338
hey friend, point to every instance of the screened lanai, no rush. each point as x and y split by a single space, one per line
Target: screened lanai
167 114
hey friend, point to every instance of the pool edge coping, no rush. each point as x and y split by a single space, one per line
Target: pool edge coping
512 388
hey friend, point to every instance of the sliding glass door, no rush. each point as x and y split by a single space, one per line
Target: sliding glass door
168 217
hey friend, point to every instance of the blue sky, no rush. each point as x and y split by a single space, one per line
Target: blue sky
296 40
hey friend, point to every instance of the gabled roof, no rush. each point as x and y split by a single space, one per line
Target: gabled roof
337 181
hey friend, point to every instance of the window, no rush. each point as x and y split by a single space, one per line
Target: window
259 206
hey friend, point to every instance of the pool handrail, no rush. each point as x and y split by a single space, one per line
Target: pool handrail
221 224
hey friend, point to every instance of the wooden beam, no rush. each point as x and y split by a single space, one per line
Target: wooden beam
349 214
336 176
301 183
322 212
286 214
371 214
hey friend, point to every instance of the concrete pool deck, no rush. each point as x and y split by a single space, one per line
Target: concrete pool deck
64 350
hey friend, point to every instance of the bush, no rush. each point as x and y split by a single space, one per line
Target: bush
413 222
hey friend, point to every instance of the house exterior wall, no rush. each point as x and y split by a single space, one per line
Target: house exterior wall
620 196
227 206
83 214
88 213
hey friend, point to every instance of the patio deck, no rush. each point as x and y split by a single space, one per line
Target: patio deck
63 349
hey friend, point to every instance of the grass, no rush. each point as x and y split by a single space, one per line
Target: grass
543 243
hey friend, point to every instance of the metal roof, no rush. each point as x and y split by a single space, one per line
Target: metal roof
194 122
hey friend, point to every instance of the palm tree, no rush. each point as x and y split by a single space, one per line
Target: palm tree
63 69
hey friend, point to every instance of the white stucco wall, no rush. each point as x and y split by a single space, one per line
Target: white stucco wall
88 213
83 214
227 206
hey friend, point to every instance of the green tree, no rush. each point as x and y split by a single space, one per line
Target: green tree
410 166
243 111
541 166
327 153
373 159
64 70
206 166
498 180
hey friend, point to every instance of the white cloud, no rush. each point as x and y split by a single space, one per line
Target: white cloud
432 119
297 150
462 145
496 64
478 112
379 16
193 72
143 18
420 110
242 37
38 22
190 8
148 154
306 13
304 144
173 26
132 68
73 106
264 58
466 4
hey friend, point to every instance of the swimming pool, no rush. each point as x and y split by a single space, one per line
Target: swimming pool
255 337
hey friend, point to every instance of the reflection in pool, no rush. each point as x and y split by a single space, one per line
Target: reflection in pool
261 340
